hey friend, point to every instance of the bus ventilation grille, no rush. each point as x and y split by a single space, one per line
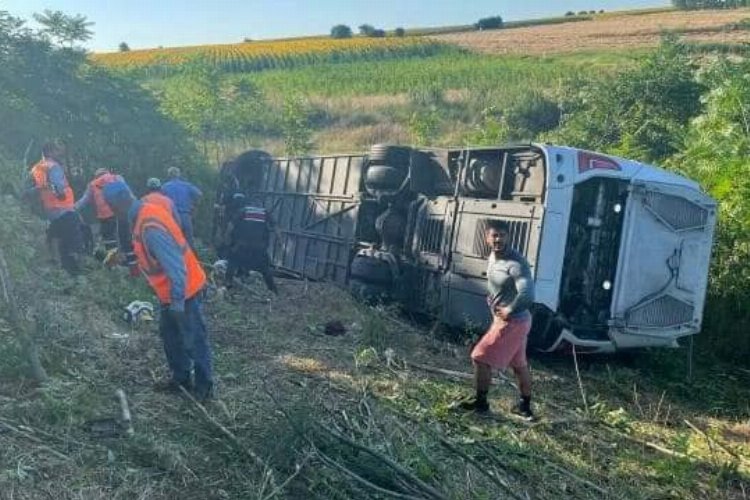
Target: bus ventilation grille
662 312
678 213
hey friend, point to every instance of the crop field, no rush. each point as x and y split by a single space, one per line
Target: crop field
445 71
256 56
609 31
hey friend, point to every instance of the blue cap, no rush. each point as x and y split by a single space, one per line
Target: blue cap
117 192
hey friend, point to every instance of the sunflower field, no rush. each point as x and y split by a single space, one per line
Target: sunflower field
262 55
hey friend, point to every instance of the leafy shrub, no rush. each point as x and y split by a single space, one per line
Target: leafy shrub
399 32
570 13
716 149
532 115
641 113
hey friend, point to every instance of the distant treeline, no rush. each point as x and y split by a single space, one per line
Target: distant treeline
710 4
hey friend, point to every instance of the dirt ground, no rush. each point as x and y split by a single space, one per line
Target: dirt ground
606 32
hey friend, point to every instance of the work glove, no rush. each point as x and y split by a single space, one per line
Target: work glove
112 258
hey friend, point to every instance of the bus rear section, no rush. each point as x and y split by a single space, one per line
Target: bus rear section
637 250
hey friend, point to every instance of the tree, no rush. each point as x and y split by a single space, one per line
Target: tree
341 31
489 23
378 33
64 29
399 32
366 29
123 47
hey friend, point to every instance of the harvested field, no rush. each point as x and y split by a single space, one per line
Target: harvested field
607 32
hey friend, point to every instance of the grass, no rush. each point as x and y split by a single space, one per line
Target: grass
334 417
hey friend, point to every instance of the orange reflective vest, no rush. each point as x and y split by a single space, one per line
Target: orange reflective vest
50 201
103 211
154 216
160 199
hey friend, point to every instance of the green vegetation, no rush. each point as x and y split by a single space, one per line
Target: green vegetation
456 70
105 119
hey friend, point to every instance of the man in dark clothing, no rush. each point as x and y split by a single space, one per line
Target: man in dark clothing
510 288
247 234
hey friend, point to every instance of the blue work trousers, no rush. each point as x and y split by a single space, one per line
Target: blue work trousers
186 224
186 345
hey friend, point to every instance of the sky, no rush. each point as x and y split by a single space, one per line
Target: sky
153 23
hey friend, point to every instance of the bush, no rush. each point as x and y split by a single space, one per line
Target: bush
570 13
715 153
489 23
532 115
341 31
399 32
378 33
641 113
123 47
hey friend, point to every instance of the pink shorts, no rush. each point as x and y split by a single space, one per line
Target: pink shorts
504 344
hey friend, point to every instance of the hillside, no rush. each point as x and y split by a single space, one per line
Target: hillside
363 415
617 31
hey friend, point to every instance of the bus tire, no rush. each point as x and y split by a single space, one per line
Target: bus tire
384 177
387 154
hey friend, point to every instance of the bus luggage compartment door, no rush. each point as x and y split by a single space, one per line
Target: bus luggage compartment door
315 204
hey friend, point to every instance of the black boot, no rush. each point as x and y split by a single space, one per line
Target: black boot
479 404
523 409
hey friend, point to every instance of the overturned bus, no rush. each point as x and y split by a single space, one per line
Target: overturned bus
619 250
